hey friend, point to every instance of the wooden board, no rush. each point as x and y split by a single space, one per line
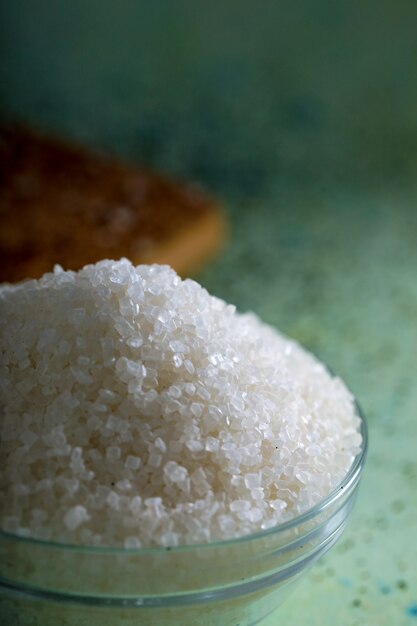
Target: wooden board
61 203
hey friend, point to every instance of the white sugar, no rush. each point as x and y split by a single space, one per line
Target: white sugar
138 410
75 516
113 453
132 462
132 542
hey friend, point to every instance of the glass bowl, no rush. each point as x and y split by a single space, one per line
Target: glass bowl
229 583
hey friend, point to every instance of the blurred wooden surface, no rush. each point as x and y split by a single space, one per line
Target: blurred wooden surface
60 203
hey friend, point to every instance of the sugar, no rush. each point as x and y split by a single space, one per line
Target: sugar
194 446
113 453
107 395
155 459
278 505
113 500
177 360
253 480
175 392
132 543
75 516
227 525
168 539
28 438
313 450
240 505
132 462
175 472
138 410
197 408
179 346
135 504
254 515
134 342
10 523
189 366
212 444
124 485
160 444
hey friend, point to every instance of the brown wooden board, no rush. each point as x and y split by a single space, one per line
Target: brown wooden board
61 203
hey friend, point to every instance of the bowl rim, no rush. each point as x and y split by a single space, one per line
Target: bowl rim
343 487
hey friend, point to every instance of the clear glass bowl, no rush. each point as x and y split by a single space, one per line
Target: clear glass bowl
219 584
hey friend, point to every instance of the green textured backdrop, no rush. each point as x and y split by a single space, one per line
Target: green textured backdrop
302 118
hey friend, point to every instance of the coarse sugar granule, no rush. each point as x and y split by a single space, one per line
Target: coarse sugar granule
139 409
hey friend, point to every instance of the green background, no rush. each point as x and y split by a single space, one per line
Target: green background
301 117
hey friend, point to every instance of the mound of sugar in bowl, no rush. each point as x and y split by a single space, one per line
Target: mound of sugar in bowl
138 410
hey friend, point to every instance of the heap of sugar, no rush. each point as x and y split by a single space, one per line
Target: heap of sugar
138 410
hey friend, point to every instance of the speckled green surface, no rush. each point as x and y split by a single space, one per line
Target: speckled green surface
344 283
303 120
